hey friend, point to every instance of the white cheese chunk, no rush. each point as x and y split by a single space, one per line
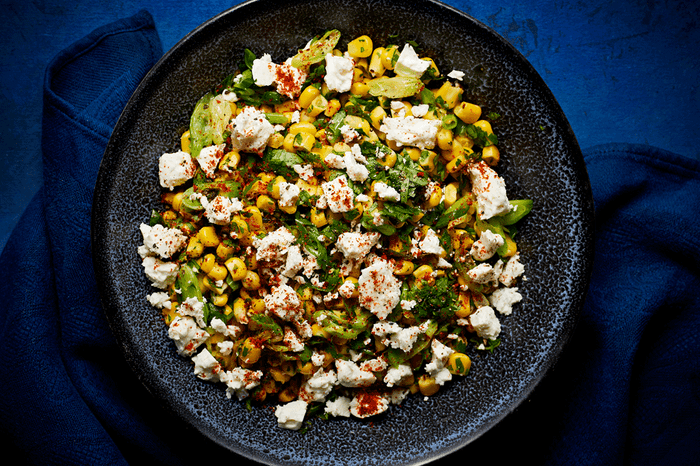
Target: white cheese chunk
490 190
485 323
502 299
186 335
175 169
161 274
239 381
410 64
250 131
380 291
339 195
339 407
350 375
206 367
339 73
366 404
209 158
319 386
512 270
486 246
162 241
355 246
411 131
386 192
264 71
159 300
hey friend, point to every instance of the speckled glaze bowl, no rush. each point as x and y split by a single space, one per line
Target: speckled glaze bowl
541 160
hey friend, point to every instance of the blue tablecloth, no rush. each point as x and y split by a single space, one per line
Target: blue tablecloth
624 392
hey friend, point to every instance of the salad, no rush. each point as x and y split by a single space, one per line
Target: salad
335 236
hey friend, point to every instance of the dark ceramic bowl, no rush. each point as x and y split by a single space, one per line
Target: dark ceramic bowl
541 160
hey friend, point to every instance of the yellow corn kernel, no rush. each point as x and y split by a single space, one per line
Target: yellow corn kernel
286 106
484 126
458 363
290 209
265 203
358 74
288 394
279 375
332 108
207 235
456 151
195 248
377 115
236 268
185 141
457 163
240 226
240 311
230 160
427 160
218 272
276 141
250 351
444 139
308 95
357 122
319 331
224 251
251 281
324 150
169 215
208 263
360 47
288 143
318 218
389 159
306 369
468 113
255 219
302 127
219 300
341 147
451 193
464 306
389 57
450 94
404 267
491 155
423 272
257 305
304 141
393 145
413 153
376 67
274 186
359 89
318 106
427 385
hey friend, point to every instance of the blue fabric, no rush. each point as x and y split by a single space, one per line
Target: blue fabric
624 392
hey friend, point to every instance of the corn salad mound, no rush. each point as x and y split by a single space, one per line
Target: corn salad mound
335 236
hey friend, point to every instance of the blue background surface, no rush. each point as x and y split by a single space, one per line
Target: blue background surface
624 71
